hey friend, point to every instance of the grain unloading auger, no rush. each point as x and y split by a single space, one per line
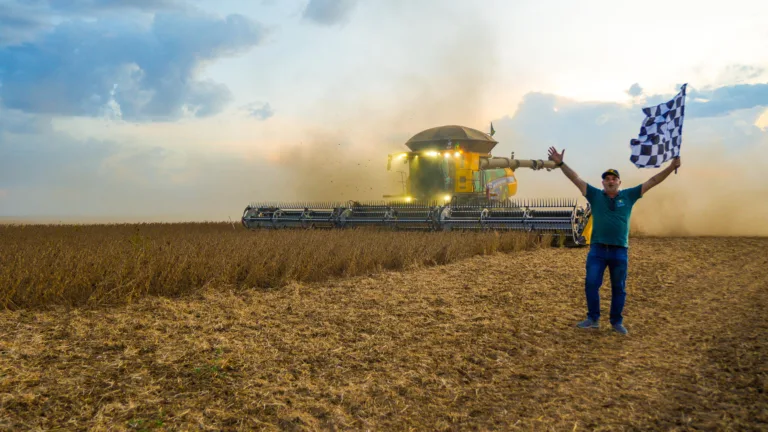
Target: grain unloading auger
453 183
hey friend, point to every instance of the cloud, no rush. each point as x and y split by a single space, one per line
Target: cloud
635 90
739 73
17 122
723 166
543 120
259 110
23 20
718 101
19 22
329 12
148 70
79 6
723 100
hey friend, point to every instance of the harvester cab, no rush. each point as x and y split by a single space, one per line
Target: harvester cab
443 176
452 182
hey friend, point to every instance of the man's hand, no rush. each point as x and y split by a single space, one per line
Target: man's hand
675 164
555 156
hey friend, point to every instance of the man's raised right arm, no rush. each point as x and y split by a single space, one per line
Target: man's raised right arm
571 174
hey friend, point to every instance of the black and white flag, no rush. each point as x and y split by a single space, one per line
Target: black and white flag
661 133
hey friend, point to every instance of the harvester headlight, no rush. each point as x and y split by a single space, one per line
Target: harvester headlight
447 155
402 155
457 155
446 198
431 153
408 199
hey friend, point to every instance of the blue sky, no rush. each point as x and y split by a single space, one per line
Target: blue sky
188 110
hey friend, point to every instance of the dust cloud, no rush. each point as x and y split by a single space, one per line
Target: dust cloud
713 194
346 157
330 167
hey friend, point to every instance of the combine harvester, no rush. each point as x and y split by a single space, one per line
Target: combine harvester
453 183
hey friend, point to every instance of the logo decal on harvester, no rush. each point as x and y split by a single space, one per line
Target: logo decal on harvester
497 186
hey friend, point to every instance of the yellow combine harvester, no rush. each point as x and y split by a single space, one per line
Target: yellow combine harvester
452 182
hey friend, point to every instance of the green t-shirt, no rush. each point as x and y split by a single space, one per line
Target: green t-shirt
610 216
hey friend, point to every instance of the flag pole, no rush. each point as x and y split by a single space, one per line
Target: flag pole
684 88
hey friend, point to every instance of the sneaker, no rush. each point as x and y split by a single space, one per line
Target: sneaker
588 323
618 328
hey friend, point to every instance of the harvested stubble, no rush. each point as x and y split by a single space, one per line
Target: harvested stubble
96 264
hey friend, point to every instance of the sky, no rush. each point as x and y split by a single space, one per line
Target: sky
187 110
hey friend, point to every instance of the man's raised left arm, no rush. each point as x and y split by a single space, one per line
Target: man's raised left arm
658 178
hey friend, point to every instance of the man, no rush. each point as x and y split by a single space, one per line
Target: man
611 210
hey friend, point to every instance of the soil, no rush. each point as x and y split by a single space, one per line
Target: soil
484 343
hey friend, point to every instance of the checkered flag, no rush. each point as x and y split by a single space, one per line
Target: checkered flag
661 133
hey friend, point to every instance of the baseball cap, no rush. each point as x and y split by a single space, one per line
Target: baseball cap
611 171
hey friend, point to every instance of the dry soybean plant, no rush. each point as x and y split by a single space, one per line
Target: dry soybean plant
95 264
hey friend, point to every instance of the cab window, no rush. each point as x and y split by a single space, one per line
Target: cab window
494 174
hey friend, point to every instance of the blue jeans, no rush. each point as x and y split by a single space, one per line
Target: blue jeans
615 258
